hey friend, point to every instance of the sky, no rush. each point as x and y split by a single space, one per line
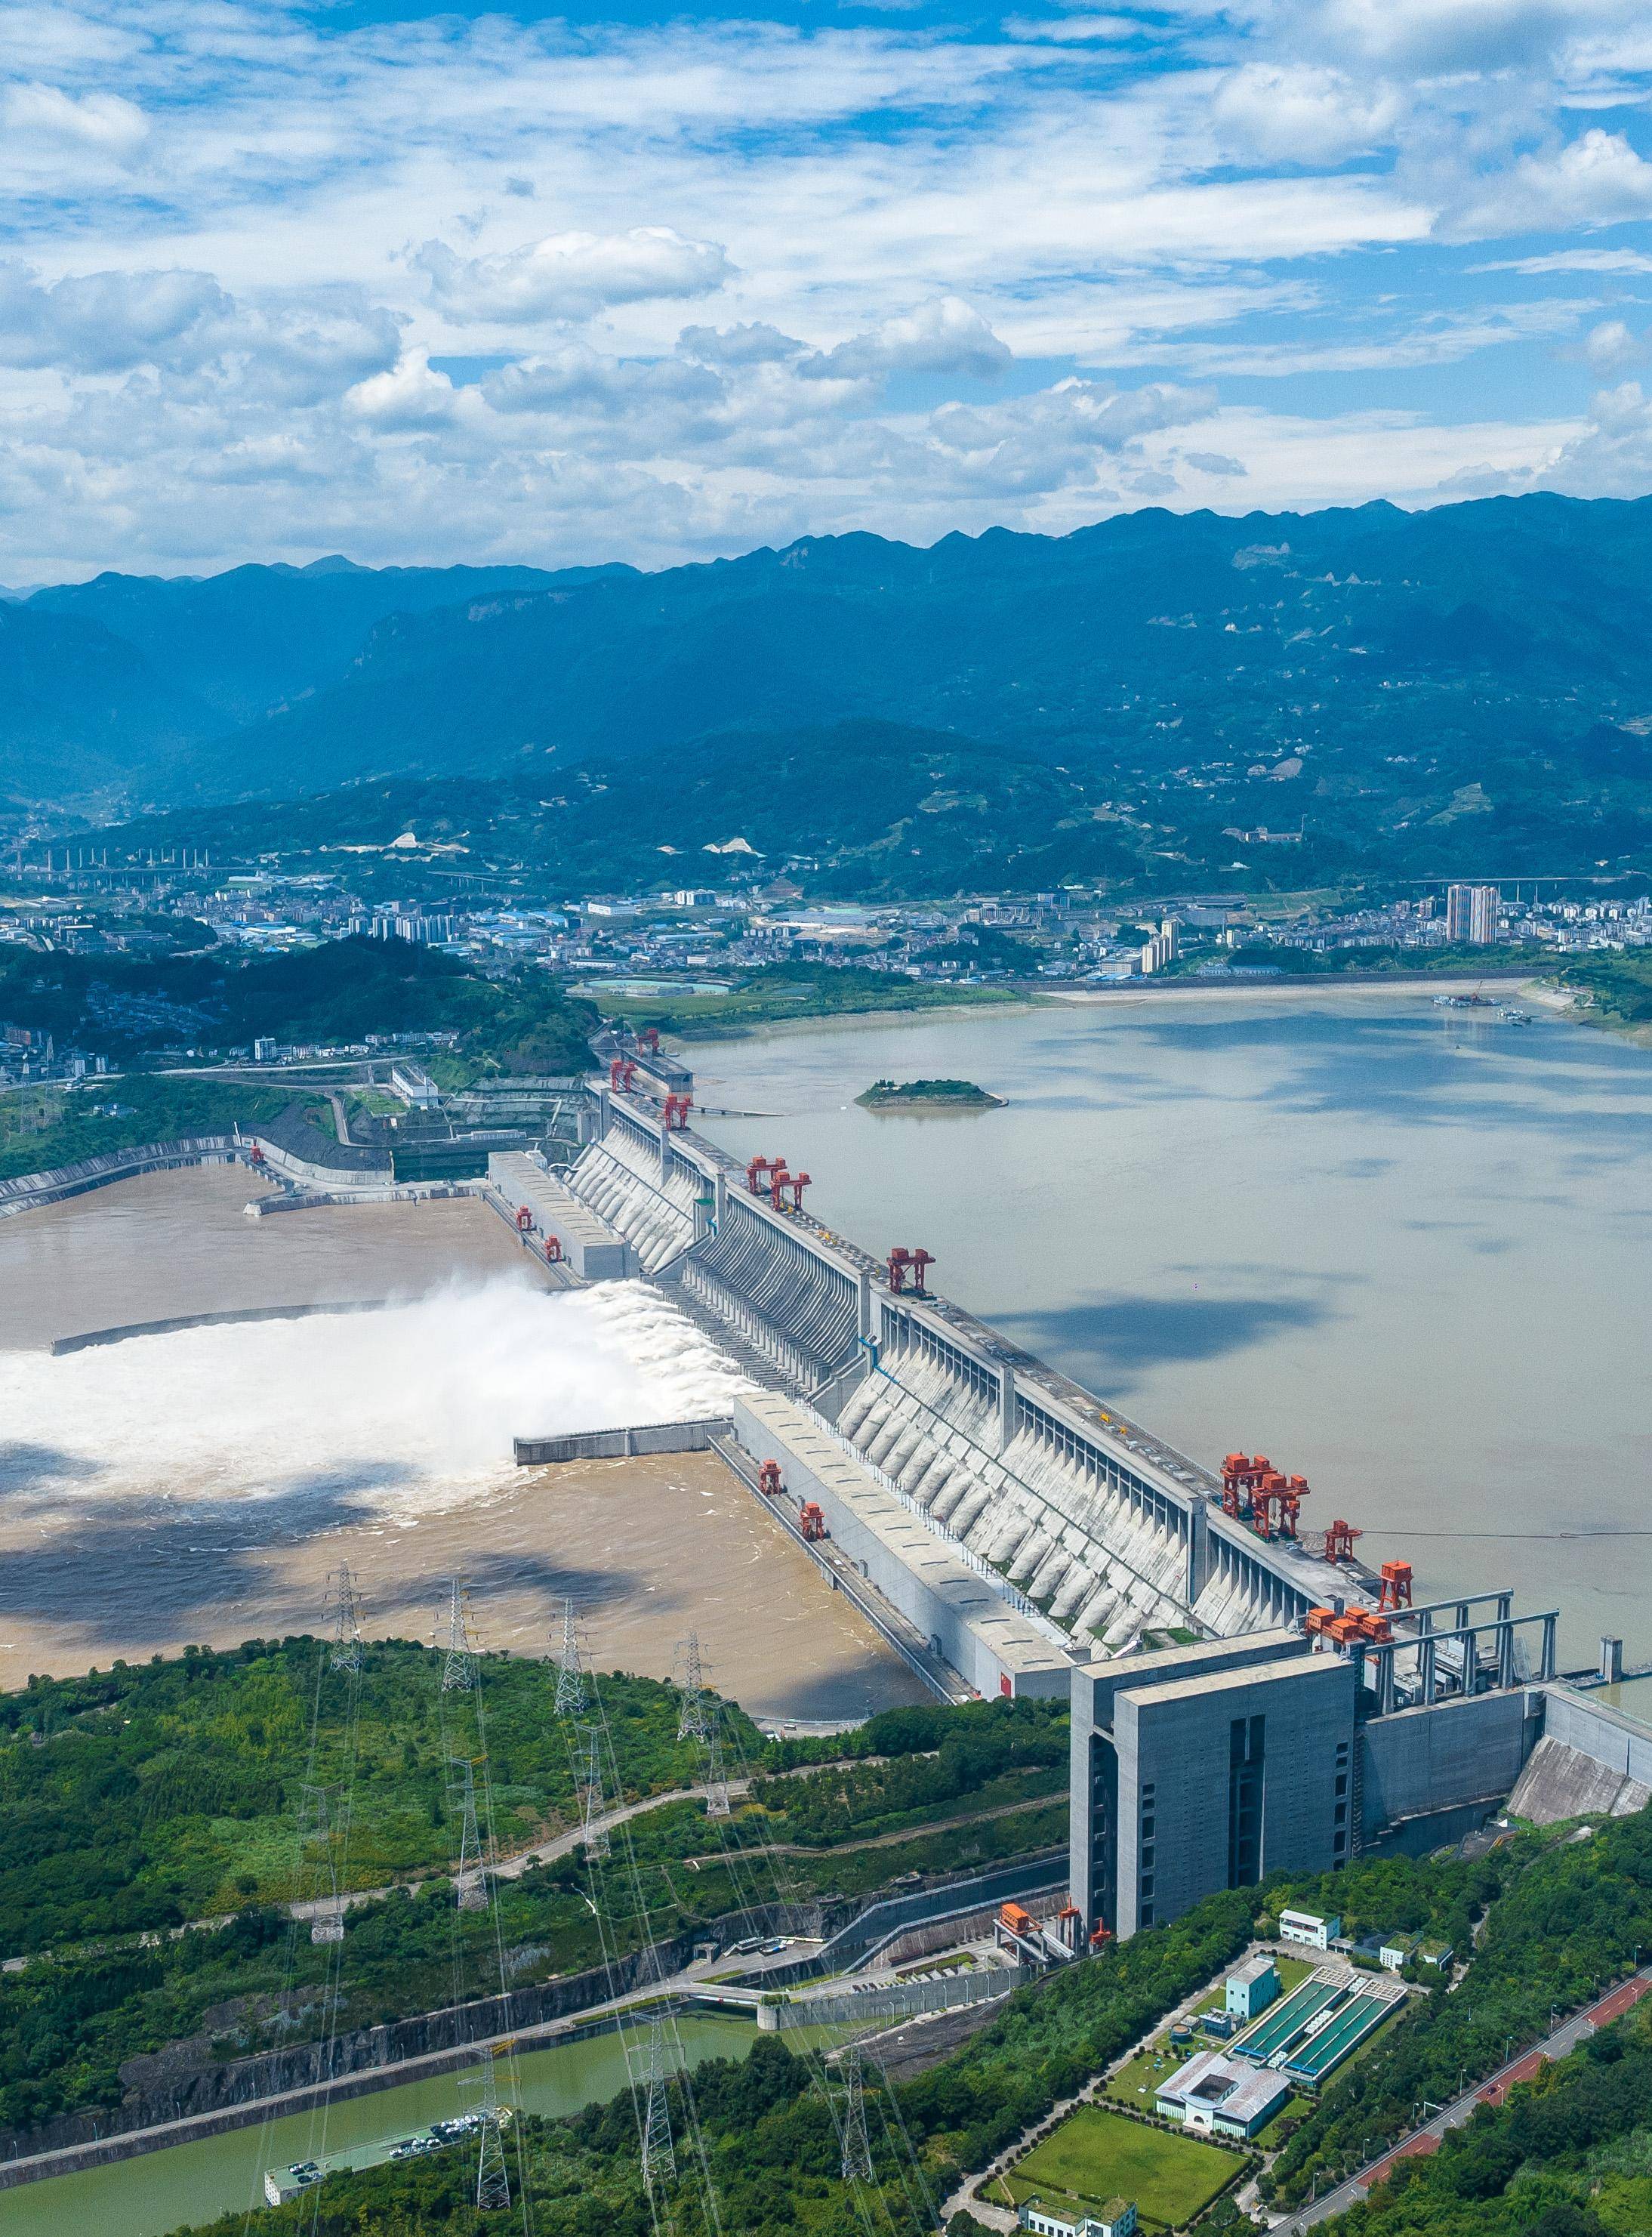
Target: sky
421 287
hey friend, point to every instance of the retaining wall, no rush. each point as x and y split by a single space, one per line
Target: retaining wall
900 2000
623 1443
27 1191
93 1338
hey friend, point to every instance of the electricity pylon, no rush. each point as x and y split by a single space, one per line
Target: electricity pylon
346 1620
469 1880
659 2154
492 2179
459 1662
570 1678
697 1720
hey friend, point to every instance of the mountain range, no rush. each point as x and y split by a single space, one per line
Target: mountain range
1437 665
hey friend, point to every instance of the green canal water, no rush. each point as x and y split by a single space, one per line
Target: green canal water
160 2191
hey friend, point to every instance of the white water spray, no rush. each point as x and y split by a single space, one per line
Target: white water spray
408 1411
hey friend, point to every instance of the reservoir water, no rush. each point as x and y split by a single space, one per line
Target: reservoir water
1402 1249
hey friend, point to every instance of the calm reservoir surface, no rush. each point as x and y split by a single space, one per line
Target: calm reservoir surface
1402 1249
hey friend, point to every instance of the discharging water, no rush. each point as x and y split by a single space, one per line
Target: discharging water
1403 1251
199 1485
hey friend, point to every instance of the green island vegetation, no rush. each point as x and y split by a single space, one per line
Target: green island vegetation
142 1798
947 1094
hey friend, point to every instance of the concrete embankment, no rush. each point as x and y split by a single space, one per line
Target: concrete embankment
29 1191
91 1338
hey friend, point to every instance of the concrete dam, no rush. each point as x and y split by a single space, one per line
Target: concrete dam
1242 1699
1074 1516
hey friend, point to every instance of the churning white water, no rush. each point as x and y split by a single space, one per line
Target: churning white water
408 1411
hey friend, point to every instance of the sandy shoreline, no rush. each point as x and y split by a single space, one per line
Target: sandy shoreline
1132 993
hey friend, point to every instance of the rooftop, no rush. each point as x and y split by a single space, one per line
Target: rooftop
1238 2091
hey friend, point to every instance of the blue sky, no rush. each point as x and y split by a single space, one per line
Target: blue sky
419 284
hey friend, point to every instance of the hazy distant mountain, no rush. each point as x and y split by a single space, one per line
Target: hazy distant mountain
1154 641
248 640
81 709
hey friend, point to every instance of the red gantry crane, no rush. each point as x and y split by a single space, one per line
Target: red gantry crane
905 1265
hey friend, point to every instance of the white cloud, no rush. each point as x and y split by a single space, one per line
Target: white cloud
1610 347
571 276
110 321
1612 457
101 122
1596 180
1071 30
1603 261
947 336
218 341
1293 114
1056 437
1433 36
408 395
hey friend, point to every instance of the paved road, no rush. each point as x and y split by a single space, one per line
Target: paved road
1565 2038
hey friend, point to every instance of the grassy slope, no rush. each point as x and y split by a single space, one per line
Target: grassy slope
139 1799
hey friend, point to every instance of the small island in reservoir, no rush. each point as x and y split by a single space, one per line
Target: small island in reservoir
929 1095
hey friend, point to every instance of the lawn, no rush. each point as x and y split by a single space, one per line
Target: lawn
1095 2155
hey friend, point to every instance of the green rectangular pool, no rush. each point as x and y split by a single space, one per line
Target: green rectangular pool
1270 2035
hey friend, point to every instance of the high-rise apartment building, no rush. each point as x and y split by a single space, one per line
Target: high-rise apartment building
1471 915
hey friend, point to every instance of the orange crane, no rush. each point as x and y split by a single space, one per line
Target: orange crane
622 1075
904 1263
1395 1589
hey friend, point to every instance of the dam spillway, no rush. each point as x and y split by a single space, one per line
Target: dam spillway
1101 1533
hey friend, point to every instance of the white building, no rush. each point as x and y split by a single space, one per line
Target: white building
1221 2096
1117 2219
1251 1988
1308 1927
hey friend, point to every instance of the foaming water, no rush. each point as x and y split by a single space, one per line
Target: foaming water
409 1410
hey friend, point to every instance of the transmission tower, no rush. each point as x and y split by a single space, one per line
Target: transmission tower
852 2126
492 2180
697 1720
570 1678
469 1880
459 1663
588 1772
321 1862
659 2154
345 1602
